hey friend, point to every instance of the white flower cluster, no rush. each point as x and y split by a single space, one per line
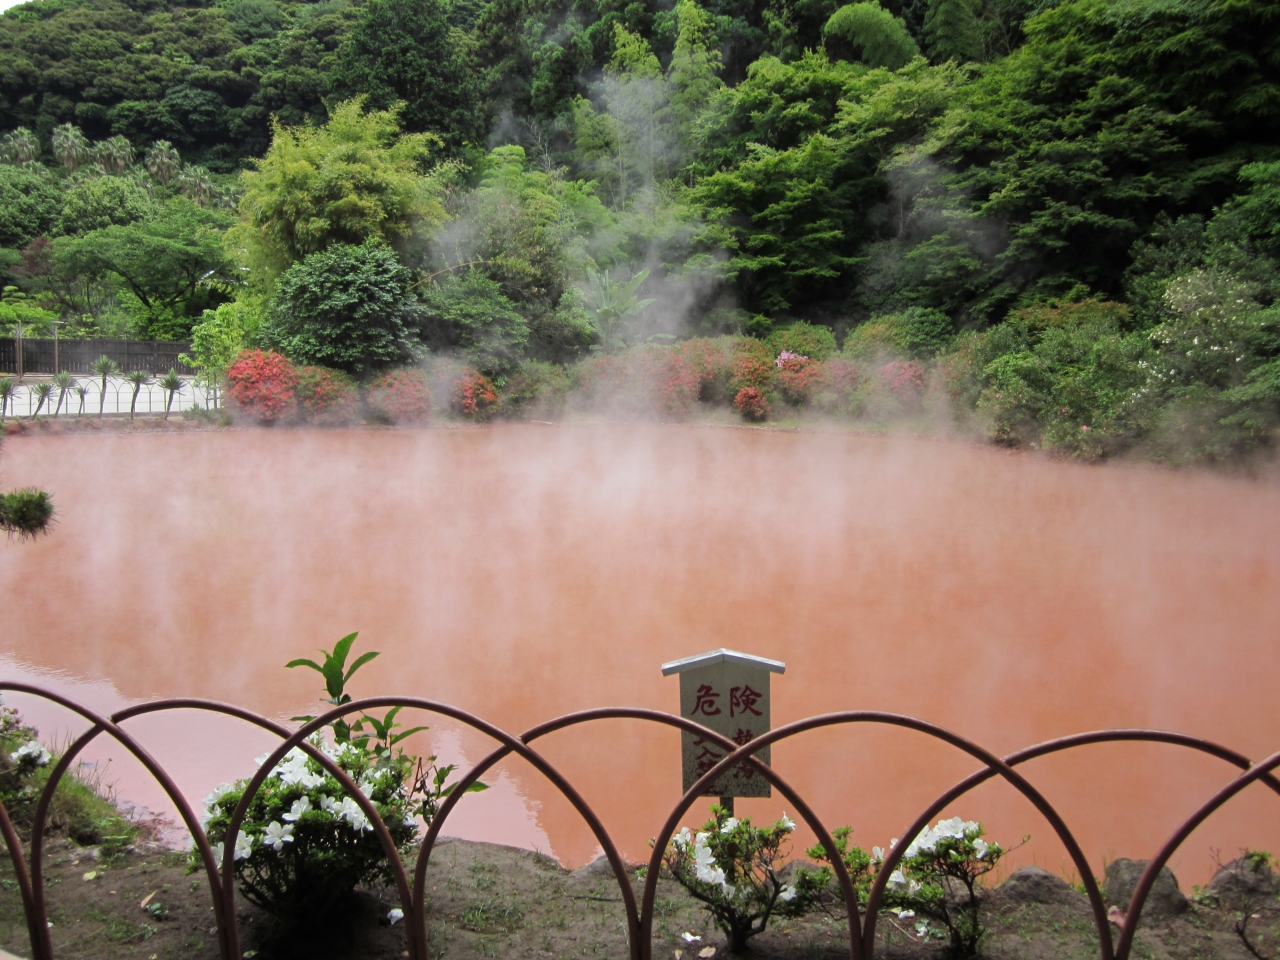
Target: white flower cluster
33 750
953 829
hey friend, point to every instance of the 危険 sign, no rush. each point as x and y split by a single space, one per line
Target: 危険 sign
727 692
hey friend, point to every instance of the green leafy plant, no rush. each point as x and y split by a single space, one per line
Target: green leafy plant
43 391
732 868
26 513
936 883
65 383
7 389
612 304
170 383
139 379
305 844
104 367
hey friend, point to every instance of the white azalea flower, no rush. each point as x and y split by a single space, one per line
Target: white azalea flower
394 916
981 847
276 835
787 823
218 792
300 806
31 749
728 825
352 813
682 839
897 879
688 937
209 813
244 846
367 790
218 853
905 914
331 806
877 853
787 893
410 820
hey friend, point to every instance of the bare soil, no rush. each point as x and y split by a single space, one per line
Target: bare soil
493 901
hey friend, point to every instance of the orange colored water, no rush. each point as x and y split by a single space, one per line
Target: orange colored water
524 572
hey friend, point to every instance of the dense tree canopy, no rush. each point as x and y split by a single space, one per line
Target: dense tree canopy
1047 199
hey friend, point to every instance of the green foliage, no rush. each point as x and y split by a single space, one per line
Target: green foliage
355 178
161 261
218 337
917 332
805 339
26 513
470 314
872 34
20 316
346 307
404 52
732 868
29 205
99 202
613 304
304 844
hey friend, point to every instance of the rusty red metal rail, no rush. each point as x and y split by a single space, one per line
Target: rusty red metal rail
28 869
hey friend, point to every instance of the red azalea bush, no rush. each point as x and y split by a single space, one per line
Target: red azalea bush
327 398
799 377
905 379
262 385
753 366
401 396
752 403
474 396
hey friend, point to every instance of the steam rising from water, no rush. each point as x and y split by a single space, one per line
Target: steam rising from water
524 572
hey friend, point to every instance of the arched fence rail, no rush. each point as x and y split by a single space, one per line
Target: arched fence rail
28 868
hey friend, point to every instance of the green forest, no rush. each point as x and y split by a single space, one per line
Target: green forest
1059 221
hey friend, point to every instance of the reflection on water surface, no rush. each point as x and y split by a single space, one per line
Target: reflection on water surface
525 572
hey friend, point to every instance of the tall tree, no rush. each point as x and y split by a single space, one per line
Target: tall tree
352 179
405 50
870 33
694 75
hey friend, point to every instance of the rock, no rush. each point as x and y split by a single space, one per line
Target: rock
1032 884
1163 902
599 868
1247 880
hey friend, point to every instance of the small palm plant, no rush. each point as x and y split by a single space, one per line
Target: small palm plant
139 379
83 393
7 390
65 383
104 367
43 392
170 383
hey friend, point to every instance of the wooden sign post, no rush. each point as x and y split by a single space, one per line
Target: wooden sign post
727 692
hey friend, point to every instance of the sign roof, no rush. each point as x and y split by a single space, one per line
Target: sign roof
722 655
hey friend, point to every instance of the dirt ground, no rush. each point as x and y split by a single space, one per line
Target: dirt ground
493 901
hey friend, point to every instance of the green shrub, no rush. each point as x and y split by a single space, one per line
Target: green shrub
26 513
804 339
469 314
345 307
305 844
916 333
936 883
537 388
732 868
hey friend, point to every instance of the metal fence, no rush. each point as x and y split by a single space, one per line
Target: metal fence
78 356
87 398
862 925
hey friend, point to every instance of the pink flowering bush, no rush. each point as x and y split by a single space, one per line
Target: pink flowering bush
905 379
